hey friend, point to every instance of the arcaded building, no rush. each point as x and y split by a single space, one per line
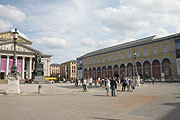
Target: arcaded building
150 57
25 56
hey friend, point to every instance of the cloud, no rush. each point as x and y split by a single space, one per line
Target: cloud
88 42
51 43
4 25
11 13
95 44
107 43
137 17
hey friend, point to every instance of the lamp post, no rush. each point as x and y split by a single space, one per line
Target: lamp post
14 68
13 77
135 70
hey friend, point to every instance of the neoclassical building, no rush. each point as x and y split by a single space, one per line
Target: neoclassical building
150 57
25 58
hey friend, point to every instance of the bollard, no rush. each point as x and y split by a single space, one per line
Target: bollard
39 89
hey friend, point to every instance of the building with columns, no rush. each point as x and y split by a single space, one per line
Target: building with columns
25 56
150 57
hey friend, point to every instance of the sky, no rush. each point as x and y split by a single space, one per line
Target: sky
68 29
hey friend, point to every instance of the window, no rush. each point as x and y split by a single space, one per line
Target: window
154 50
99 60
137 53
85 62
109 58
93 61
89 61
165 48
122 56
115 57
145 52
129 54
104 59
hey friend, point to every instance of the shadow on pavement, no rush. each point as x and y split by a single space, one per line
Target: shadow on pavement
101 118
71 87
101 95
174 114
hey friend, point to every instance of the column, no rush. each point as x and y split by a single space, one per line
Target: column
151 70
125 69
48 67
160 69
101 73
30 67
7 65
22 69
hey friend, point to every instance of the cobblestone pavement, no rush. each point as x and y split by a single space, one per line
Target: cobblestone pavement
67 102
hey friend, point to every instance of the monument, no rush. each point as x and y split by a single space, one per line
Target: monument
38 74
13 77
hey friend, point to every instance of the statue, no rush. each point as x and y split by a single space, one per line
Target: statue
38 71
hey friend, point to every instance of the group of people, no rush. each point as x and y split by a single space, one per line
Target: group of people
110 84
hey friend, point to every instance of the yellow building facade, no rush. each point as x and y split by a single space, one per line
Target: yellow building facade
149 57
68 70
55 69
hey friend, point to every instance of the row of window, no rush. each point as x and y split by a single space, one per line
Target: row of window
129 55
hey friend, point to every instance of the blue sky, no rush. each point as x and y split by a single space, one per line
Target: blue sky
68 29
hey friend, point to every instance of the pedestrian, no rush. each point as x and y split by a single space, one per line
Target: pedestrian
153 80
96 82
124 84
130 85
113 86
90 82
99 80
108 86
84 84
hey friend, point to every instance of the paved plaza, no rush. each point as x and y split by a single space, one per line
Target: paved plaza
64 101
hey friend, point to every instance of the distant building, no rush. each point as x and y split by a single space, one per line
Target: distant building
55 69
149 57
25 56
69 70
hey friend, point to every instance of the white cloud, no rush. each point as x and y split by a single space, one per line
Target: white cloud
107 43
88 42
160 32
4 25
11 13
137 17
51 43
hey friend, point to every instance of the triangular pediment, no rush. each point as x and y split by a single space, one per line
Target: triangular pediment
8 36
9 46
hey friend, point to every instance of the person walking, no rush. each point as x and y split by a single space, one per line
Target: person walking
113 87
90 82
108 86
84 84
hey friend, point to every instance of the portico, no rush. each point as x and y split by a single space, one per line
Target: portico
25 56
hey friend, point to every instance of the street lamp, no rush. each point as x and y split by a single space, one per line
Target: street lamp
14 68
135 70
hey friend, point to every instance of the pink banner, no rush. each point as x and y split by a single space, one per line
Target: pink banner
3 64
10 64
19 65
